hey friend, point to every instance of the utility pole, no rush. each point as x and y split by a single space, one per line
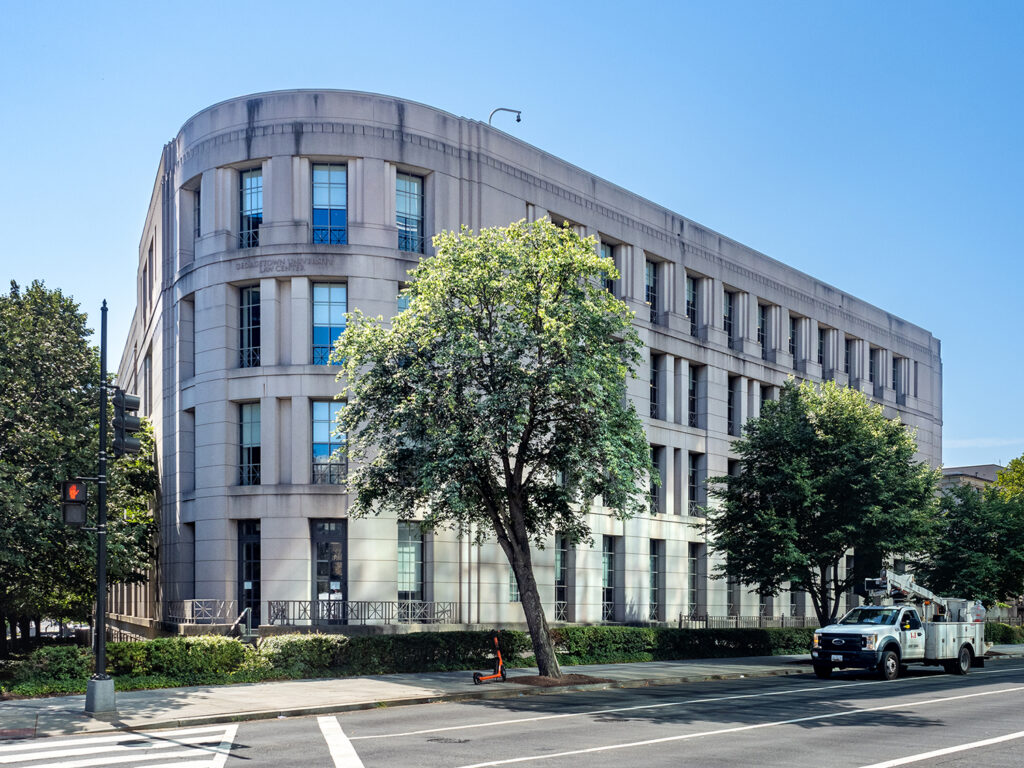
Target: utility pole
99 693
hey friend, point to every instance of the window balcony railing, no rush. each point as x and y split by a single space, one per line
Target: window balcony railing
201 611
326 612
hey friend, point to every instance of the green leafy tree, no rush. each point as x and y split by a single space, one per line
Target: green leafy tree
497 400
49 409
977 548
823 472
1010 480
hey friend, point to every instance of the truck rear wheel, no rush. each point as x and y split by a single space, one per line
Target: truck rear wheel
889 666
824 671
961 665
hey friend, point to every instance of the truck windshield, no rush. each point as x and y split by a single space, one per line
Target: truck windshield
871 616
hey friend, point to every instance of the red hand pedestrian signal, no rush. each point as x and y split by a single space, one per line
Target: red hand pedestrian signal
73 492
72 496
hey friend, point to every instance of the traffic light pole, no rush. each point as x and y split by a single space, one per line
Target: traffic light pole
99 694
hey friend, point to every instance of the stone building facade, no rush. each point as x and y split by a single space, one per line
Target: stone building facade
273 214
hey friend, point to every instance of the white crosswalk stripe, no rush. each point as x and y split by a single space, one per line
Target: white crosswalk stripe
206 747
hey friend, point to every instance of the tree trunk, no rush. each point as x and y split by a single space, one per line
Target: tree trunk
4 650
26 635
529 596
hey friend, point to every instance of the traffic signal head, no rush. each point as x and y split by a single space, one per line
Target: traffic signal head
73 495
126 425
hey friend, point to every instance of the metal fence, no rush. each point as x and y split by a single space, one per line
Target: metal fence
201 611
745 622
327 612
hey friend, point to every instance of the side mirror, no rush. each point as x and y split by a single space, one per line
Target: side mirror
906 625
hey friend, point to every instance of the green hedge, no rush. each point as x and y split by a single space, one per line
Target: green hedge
610 645
188 658
177 661
1003 634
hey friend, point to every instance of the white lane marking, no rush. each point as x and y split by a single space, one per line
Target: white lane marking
120 736
127 746
947 751
109 760
686 702
342 751
740 728
225 747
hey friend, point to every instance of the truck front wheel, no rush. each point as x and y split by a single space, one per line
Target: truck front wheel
889 666
961 665
824 671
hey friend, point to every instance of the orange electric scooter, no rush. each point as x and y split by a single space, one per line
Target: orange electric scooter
499 668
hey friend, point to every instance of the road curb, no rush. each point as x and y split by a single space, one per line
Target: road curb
505 691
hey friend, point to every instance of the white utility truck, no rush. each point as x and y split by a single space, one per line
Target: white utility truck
915 626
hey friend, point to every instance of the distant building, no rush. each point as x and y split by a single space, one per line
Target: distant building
272 215
979 476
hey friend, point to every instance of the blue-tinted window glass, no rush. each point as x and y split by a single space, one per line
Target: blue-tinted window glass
409 212
251 208
329 461
330 200
330 303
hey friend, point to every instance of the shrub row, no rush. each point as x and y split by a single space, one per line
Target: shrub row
1003 634
610 645
175 661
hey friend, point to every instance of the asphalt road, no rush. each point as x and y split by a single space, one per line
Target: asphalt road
925 718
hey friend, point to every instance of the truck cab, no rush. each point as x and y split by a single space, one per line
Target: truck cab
884 637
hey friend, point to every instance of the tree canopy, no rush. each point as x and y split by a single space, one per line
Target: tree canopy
976 549
49 411
497 399
822 472
1010 480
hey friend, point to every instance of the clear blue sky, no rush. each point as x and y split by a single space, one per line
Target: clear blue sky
876 146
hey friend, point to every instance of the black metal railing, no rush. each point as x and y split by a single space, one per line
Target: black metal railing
326 612
698 621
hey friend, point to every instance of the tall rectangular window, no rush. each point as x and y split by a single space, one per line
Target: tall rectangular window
409 212
608 565
847 355
249 327
691 398
655 393
607 252
658 471
330 303
410 561
651 288
250 208
895 364
197 215
513 586
147 384
329 463
821 346
872 358
792 337
330 203
731 395
693 484
762 329
693 586
249 444
732 587
691 304
728 314
656 567
561 577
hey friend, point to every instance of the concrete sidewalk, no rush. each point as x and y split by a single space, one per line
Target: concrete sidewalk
177 707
